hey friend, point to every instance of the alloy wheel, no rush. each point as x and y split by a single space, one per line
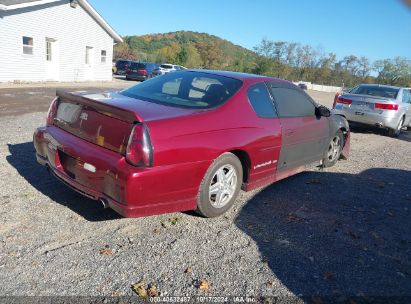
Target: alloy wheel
399 127
222 186
334 148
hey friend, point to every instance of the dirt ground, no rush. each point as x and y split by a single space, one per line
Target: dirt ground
16 99
336 234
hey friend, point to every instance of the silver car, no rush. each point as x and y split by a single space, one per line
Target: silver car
383 106
167 68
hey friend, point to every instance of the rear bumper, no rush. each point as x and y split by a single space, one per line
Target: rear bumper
137 77
345 153
130 191
120 72
384 120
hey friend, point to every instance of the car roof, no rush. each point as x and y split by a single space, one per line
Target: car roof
238 75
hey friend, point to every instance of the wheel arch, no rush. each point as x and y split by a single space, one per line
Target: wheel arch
245 162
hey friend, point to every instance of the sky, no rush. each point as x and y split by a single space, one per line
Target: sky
376 29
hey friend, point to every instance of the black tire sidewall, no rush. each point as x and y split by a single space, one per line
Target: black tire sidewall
204 206
393 132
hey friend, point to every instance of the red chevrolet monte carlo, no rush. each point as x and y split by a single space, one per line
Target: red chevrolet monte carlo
187 140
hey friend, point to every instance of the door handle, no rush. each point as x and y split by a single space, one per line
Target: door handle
289 132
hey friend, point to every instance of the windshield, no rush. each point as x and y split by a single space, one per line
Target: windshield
186 89
166 66
376 91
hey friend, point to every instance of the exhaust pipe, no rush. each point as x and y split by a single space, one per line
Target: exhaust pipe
104 202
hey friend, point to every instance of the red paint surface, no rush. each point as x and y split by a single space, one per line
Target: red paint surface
185 142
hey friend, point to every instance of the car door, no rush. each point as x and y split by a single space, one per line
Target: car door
305 135
266 149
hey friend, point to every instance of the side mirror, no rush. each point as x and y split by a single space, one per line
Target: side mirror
322 111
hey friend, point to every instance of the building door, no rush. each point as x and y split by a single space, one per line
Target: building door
89 64
52 60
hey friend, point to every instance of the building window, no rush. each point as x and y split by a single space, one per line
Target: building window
48 50
88 54
27 45
103 56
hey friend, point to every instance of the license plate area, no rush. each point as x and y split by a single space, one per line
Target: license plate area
68 164
362 106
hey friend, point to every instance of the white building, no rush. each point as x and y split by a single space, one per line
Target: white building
54 40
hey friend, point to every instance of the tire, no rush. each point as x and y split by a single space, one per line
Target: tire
334 148
224 184
396 132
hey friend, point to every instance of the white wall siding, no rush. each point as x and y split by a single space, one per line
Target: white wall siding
73 29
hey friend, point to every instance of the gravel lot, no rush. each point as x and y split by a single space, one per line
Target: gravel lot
344 231
16 99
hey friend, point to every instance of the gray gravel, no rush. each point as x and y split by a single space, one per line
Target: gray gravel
342 231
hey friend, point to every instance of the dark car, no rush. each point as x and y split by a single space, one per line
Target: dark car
302 86
173 143
140 70
122 66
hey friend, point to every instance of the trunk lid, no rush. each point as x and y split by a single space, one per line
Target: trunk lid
106 119
366 102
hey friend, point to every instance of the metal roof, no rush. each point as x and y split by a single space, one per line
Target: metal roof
13 2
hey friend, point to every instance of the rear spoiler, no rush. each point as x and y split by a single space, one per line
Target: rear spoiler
371 96
105 109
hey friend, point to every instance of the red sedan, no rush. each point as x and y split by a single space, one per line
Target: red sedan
187 140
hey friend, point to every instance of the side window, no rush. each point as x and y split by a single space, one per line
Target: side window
261 101
406 96
292 103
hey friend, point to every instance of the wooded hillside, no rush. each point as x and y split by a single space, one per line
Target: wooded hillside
287 60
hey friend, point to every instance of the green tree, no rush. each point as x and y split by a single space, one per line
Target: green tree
193 58
123 51
395 71
211 55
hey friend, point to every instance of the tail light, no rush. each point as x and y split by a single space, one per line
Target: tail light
52 112
139 150
142 72
338 94
386 106
344 100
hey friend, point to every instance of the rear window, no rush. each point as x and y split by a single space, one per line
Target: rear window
138 65
166 66
376 91
186 90
121 63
